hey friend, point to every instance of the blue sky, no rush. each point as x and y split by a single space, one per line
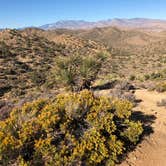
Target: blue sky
21 13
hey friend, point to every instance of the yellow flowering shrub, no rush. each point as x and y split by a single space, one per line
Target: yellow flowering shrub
72 129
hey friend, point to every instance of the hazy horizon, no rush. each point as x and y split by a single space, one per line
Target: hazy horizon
16 13
88 21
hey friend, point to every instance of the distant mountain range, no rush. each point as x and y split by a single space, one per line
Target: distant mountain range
133 23
144 23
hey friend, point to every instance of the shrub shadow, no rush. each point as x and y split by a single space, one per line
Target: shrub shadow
147 121
108 85
112 84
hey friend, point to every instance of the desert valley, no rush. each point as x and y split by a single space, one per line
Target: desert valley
79 93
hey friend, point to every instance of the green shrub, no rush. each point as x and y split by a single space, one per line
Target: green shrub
77 72
147 76
72 129
156 76
132 77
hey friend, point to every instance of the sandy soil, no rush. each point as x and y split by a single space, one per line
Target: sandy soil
152 150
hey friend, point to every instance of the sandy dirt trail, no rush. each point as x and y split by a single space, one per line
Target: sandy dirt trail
152 150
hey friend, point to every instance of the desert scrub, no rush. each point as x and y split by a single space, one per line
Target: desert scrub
161 87
72 129
76 72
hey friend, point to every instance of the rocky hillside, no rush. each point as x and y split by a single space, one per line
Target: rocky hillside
27 56
135 52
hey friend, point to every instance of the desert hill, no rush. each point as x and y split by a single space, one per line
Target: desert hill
29 52
27 56
135 51
109 62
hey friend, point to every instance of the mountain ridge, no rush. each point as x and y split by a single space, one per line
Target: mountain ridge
145 23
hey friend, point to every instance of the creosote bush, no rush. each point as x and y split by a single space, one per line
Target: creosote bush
72 129
161 87
77 72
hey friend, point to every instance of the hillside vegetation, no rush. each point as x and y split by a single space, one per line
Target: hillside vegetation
72 129
28 56
52 83
134 51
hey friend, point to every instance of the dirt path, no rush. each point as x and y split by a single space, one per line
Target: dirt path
152 150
